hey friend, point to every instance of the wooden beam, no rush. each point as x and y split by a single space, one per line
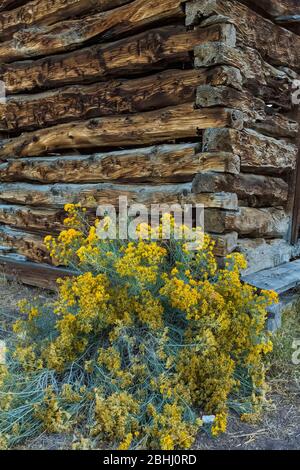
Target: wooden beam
33 274
69 34
258 153
92 195
145 52
255 190
275 8
47 12
168 88
27 244
252 30
167 124
32 218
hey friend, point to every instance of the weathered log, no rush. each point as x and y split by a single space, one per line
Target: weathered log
23 217
92 195
276 125
159 164
252 29
118 131
148 51
257 152
169 88
47 12
209 96
69 34
32 274
225 244
9 4
275 8
28 244
254 190
251 222
272 85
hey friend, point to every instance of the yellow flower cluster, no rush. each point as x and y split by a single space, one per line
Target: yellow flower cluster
145 340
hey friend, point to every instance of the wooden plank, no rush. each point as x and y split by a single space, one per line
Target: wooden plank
92 195
258 153
252 30
158 164
47 12
168 88
153 127
69 34
255 190
32 274
279 279
148 51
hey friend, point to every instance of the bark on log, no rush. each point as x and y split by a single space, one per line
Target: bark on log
91 195
169 88
257 152
47 12
254 190
252 30
251 222
167 124
148 51
272 85
70 34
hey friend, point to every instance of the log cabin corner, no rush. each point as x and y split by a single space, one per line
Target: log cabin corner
159 100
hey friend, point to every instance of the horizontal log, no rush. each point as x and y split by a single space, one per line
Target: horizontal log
27 244
257 152
210 96
9 4
275 8
276 125
168 88
252 30
32 274
272 85
69 34
47 12
148 51
171 123
167 163
254 190
31 218
248 221
92 195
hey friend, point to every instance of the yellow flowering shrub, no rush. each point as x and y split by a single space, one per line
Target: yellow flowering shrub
147 339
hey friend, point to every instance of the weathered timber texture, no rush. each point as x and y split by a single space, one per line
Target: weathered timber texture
148 51
258 153
276 8
47 12
32 274
69 34
23 217
265 81
255 190
248 221
91 195
159 164
252 30
225 244
145 128
28 244
168 88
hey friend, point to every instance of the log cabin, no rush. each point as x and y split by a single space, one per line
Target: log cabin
160 100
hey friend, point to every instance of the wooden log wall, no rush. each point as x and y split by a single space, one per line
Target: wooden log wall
159 100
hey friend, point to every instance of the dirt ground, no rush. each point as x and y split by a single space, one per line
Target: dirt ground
279 428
